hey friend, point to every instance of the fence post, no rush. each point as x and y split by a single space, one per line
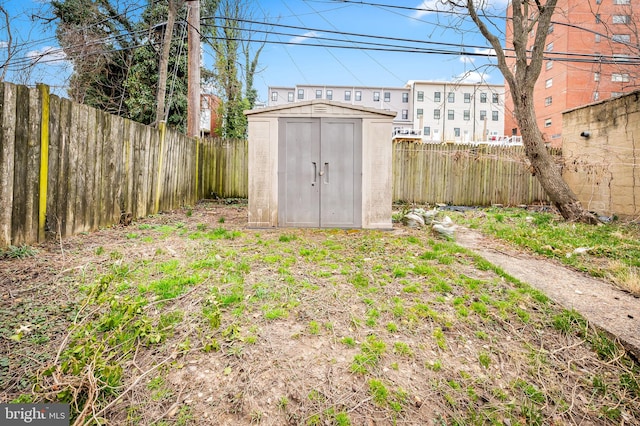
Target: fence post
44 160
163 132
197 167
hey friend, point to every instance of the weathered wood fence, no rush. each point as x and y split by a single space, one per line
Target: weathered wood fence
67 168
466 175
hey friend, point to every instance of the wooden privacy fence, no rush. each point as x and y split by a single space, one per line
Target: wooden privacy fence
67 168
467 175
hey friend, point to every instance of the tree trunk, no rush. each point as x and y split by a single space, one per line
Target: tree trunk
544 167
164 63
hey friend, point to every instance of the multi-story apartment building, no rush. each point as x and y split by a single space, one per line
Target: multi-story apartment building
427 111
458 112
591 54
396 99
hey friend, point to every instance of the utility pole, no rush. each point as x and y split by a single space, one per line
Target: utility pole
193 41
164 63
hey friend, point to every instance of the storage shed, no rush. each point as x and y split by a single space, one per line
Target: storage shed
320 164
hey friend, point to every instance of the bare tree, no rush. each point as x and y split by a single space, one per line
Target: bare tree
528 17
164 61
8 44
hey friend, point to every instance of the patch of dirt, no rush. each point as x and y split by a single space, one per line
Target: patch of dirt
317 327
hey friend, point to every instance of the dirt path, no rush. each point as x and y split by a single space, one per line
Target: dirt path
610 309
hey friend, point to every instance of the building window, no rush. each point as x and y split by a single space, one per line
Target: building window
451 114
596 76
436 114
318 94
495 98
405 114
467 98
456 132
550 30
621 58
621 38
549 65
420 96
347 95
330 94
621 1
451 97
548 83
290 96
483 115
274 96
495 116
621 19
420 112
598 18
547 122
376 96
619 78
436 97
616 94
467 115
387 96
405 98
300 93
548 100
427 131
550 47
596 96
358 95
597 38
483 98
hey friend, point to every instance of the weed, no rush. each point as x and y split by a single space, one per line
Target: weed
275 313
359 281
19 252
392 327
283 402
342 419
438 334
285 238
484 359
402 349
349 341
435 365
314 327
371 351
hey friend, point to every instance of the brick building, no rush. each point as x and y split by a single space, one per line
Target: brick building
591 54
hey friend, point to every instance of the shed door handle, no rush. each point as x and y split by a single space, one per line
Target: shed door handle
315 172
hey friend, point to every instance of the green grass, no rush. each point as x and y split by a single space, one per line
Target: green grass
349 325
612 249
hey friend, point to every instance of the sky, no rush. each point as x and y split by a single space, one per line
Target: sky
295 52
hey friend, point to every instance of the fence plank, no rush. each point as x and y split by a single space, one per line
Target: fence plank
7 160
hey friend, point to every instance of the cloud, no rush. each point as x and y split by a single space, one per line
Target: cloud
485 52
49 54
467 59
301 39
3 44
472 77
428 7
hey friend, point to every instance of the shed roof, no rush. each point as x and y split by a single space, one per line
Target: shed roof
320 106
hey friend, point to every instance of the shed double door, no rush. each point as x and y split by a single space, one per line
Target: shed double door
320 172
